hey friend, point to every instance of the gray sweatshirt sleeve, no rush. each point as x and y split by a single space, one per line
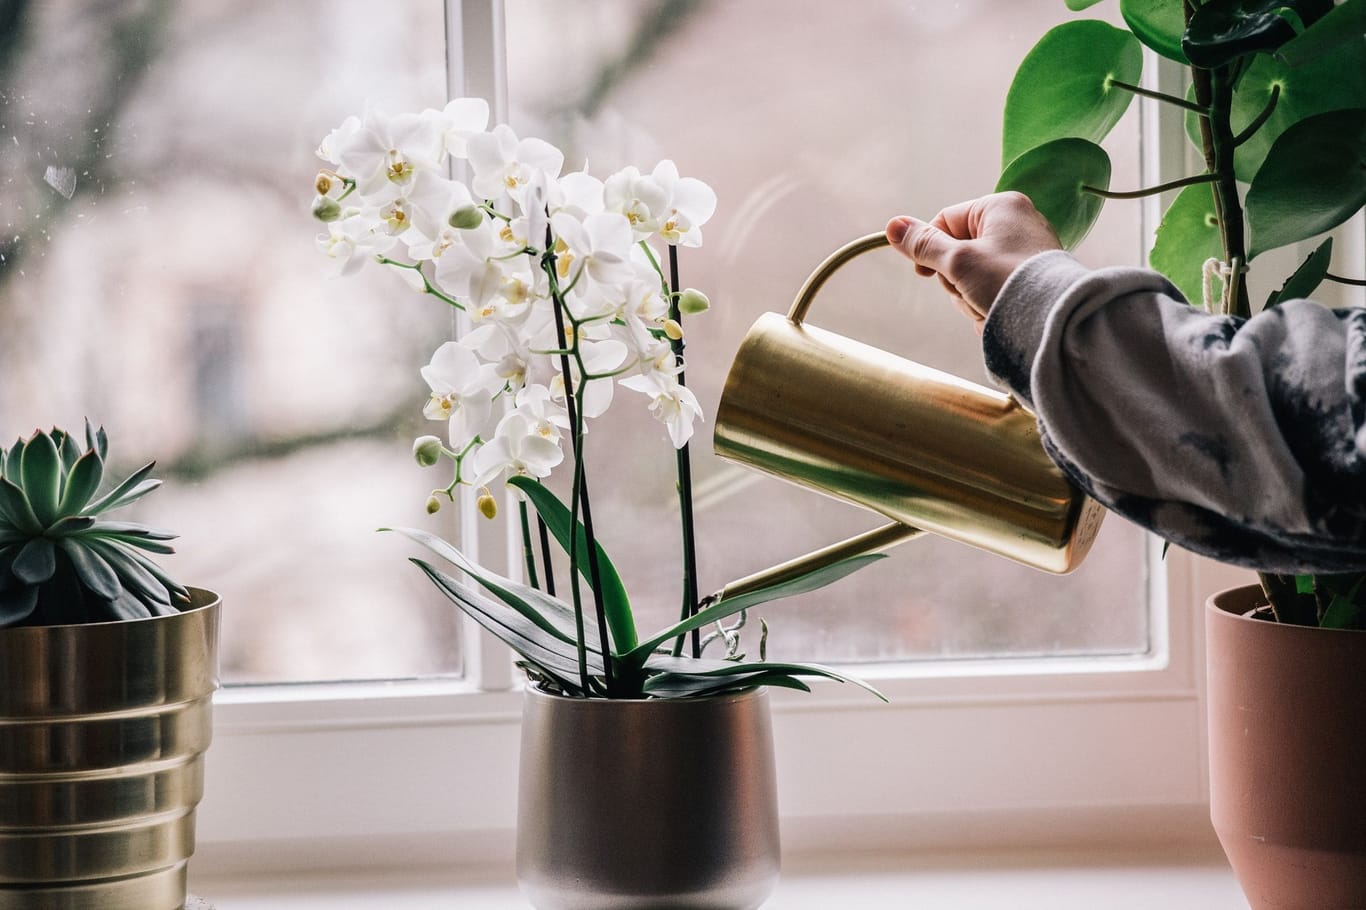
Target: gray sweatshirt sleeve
1244 440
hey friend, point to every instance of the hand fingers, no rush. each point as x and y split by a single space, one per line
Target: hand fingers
923 243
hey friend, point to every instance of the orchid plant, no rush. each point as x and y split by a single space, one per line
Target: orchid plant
562 280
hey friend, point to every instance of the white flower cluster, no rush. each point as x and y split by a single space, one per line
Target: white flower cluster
387 198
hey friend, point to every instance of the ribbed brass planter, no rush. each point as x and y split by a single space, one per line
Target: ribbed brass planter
103 728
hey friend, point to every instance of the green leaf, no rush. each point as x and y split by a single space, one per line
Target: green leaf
528 639
1159 24
701 668
1307 277
1304 584
1053 176
41 470
66 445
94 570
1077 6
1333 81
1187 236
729 606
97 440
133 488
17 605
1220 31
1062 87
15 508
616 606
1344 610
133 574
36 562
552 616
81 483
1313 180
1344 25
13 458
682 685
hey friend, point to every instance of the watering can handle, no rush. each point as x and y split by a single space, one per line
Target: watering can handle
832 263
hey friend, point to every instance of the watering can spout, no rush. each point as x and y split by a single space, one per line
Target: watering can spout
929 450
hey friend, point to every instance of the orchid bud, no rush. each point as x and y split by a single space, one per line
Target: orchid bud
433 505
466 218
673 329
326 209
692 301
488 507
427 450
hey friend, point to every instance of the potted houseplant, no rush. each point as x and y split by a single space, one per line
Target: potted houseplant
107 670
646 767
1277 111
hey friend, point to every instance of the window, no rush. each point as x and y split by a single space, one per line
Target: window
307 389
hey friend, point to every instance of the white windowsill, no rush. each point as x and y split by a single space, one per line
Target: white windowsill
1186 878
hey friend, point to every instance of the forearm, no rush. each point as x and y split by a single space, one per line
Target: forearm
1238 439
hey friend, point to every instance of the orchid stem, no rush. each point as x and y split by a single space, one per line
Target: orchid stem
527 553
689 607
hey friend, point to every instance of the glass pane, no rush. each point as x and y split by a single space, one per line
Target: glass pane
815 123
158 275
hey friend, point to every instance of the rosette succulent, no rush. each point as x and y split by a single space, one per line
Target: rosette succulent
61 560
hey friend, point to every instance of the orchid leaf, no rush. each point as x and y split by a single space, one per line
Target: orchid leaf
682 685
1305 280
729 606
1220 31
1314 179
616 606
719 669
552 616
1186 238
1062 87
1055 176
1159 24
531 642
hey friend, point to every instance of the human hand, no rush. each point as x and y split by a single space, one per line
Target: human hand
974 246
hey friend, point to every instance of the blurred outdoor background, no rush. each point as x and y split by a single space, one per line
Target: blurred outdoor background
158 275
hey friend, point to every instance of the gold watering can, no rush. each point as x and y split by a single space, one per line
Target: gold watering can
930 450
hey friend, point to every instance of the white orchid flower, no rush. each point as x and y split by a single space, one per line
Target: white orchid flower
641 199
431 200
518 446
352 240
460 119
600 245
462 390
671 402
386 153
504 165
691 205
579 194
328 149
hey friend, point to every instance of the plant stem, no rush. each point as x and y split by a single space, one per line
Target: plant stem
1355 282
1152 190
1261 118
526 546
1160 96
579 494
545 556
1226 188
685 509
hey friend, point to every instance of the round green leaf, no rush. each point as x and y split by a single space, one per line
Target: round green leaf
1345 24
1187 236
1314 179
1220 31
1053 176
1077 6
1062 87
1159 24
1334 81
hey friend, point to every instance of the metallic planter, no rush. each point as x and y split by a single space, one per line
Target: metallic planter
647 805
103 728
1287 745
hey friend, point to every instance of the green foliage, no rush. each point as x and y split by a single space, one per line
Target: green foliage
1277 110
541 628
1063 88
61 561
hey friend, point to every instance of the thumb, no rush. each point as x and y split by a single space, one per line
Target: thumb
921 242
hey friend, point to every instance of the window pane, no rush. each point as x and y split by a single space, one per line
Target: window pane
158 274
815 122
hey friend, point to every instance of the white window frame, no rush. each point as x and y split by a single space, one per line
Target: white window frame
1009 751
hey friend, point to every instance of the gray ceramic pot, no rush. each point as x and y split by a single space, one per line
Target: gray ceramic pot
1287 749
647 805
103 728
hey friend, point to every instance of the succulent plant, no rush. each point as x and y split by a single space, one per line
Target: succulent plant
61 561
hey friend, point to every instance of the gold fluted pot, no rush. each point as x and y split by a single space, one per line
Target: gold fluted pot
103 728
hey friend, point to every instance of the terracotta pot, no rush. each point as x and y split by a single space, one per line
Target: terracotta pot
1287 744
665 804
